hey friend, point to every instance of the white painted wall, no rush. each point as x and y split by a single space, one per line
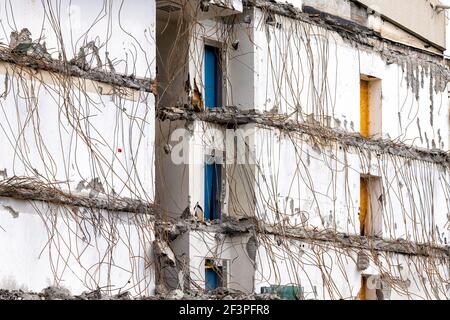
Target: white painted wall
76 248
323 272
316 185
124 29
77 132
327 272
65 130
284 57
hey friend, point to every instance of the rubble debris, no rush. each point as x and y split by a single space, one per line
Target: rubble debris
89 50
56 293
96 187
216 294
93 295
171 230
22 43
227 294
168 274
176 294
161 290
224 294
164 253
19 295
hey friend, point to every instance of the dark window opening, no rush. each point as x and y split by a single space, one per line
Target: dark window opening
213 191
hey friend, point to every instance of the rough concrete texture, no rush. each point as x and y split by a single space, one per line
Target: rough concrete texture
235 117
217 294
32 189
74 69
231 226
55 293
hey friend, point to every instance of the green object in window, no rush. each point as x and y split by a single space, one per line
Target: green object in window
285 292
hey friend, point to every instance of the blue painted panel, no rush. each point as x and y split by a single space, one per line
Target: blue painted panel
211 77
217 181
211 279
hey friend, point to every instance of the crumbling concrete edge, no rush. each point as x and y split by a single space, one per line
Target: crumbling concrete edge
354 33
248 226
71 70
32 189
232 117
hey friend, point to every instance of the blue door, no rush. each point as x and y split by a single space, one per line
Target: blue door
212 77
213 177
211 279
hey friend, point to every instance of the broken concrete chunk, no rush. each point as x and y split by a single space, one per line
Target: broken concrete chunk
176 294
56 293
22 43
363 261
20 40
88 57
164 253
167 149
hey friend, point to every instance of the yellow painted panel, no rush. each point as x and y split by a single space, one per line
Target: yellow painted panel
364 108
364 204
362 295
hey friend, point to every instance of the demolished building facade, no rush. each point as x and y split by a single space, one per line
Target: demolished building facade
296 148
